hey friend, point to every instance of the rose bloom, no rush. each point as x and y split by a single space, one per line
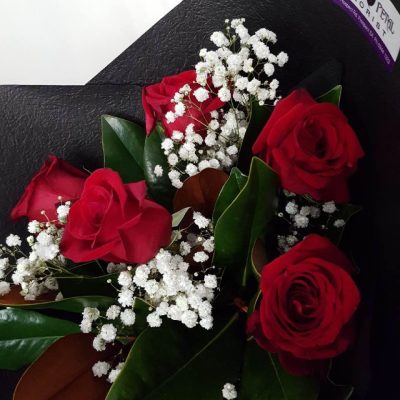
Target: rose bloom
156 101
55 178
311 146
308 301
115 222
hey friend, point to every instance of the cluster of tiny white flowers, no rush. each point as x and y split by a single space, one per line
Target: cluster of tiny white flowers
238 72
305 218
34 272
229 391
166 284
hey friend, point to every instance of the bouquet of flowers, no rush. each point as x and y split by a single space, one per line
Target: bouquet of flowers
203 260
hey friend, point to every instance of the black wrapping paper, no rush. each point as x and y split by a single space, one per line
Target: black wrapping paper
65 121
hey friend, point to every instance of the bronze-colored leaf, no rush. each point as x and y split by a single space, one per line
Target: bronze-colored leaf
201 191
14 297
259 256
64 372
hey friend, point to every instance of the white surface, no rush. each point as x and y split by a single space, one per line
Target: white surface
67 42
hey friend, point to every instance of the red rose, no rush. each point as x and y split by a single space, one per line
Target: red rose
115 222
55 178
156 101
311 146
308 300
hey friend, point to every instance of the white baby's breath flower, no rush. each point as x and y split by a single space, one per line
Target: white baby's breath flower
253 85
13 240
269 69
282 58
210 281
189 318
201 94
4 288
200 220
86 325
128 317
108 332
291 208
179 109
300 221
101 368
224 94
113 312
91 313
154 320
99 344
219 39
329 207
158 171
34 227
200 257
339 223
170 117
113 375
173 159
229 391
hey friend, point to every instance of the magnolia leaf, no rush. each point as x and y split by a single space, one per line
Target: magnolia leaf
123 143
179 216
200 192
259 117
159 187
14 298
64 371
81 285
264 379
71 304
229 191
344 212
245 220
174 362
258 257
332 96
24 335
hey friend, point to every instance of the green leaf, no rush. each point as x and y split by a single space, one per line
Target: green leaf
332 96
264 379
174 362
345 212
178 217
71 304
24 335
229 191
258 119
159 188
81 285
245 220
123 143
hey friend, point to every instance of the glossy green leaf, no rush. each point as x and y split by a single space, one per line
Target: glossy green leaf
258 119
178 217
229 191
159 187
123 143
345 212
24 335
245 220
264 379
72 304
332 96
81 285
174 362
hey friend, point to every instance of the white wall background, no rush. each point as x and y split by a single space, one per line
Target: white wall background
67 42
